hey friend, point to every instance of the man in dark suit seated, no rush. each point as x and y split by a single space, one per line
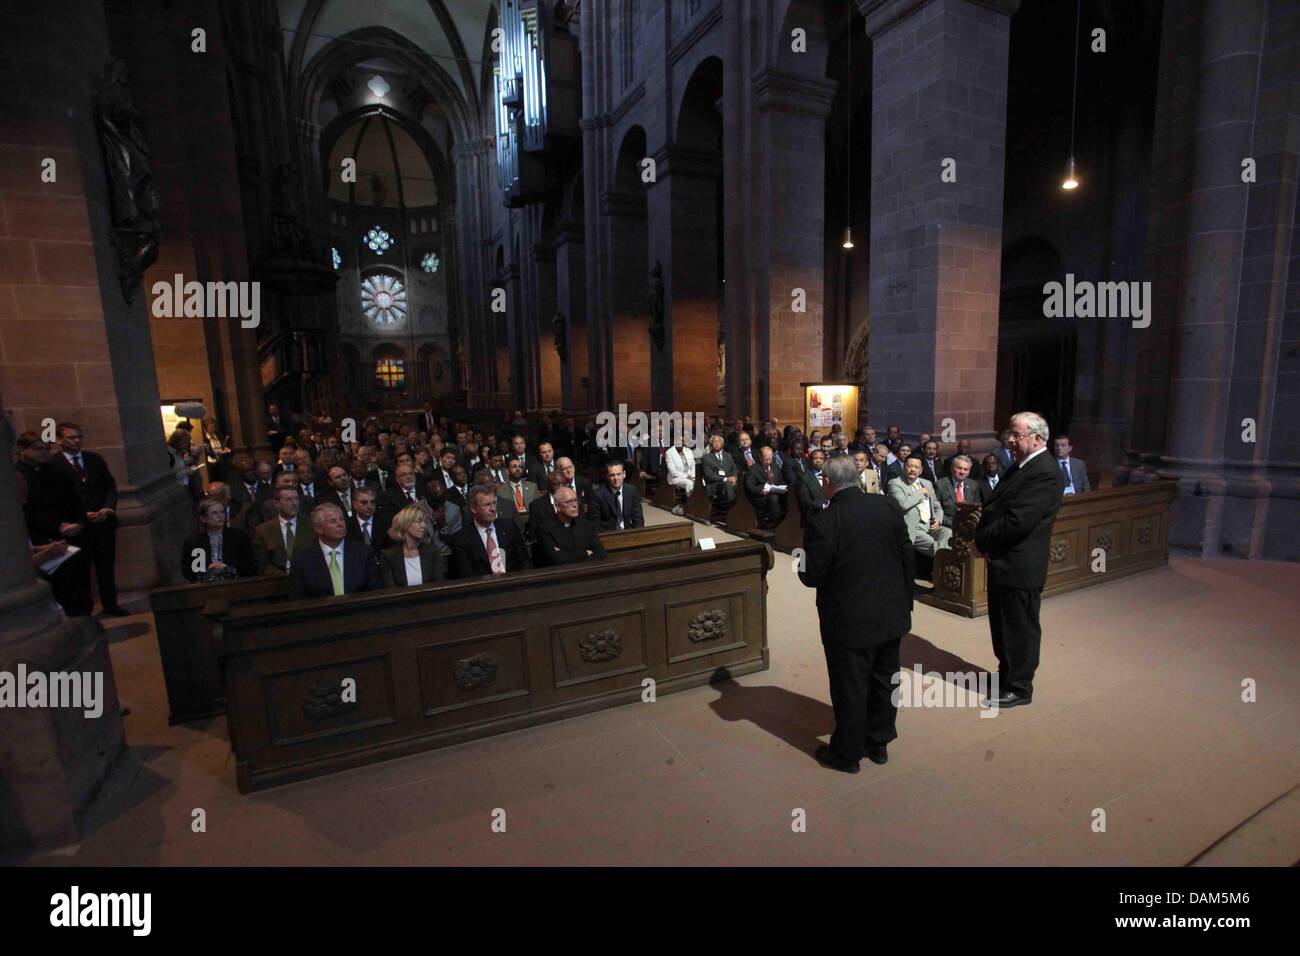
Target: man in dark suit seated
403 492
721 476
992 476
564 467
860 561
617 504
571 538
963 448
1014 534
487 544
217 551
744 453
1073 470
333 566
811 491
765 490
339 491
538 467
957 489
543 508
367 524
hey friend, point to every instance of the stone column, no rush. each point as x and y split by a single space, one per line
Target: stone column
61 309
1237 496
571 299
939 81
790 242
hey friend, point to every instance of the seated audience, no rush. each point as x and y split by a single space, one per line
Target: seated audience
334 565
571 538
517 493
217 551
931 467
963 448
921 509
617 503
367 524
578 483
488 544
412 558
720 475
543 508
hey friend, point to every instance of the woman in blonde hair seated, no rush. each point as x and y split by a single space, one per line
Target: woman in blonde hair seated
410 561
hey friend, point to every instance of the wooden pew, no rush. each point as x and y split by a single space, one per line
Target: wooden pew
185 644
439 664
1130 523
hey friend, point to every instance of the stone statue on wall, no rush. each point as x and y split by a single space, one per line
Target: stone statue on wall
559 328
722 364
134 200
288 234
857 355
657 304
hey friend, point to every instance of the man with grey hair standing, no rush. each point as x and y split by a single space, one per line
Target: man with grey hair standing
1014 534
859 558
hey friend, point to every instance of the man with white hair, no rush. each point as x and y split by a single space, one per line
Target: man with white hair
335 566
1014 535
859 558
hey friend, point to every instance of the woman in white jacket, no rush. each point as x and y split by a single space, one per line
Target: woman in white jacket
681 472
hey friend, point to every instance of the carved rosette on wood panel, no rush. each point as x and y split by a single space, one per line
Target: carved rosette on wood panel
476 672
1060 549
1104 541
707 626
1145 530
601 646
952 578
963 534
324 699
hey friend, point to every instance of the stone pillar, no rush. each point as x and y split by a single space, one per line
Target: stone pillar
631 351
939 81
742 396
61 309
1237 272
571 299
548 361
790 241
183 102
73 347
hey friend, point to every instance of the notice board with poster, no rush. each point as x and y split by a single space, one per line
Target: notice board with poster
826 404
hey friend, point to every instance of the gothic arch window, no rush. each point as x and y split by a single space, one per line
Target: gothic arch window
630 14
383 299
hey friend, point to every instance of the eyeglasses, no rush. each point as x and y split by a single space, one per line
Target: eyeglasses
1019 435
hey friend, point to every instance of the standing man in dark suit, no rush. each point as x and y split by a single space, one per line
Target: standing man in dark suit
571 538
98 493
1014 534
617 504
331 567
859 559
487 545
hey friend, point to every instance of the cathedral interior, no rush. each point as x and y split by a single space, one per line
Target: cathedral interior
288 212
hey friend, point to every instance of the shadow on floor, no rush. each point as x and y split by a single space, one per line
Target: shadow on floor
917 651
791 717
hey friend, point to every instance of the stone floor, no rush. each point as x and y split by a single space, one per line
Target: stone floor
1138 712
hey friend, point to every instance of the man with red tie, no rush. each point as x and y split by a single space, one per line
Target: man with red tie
487 545
765 490
957 489
516 494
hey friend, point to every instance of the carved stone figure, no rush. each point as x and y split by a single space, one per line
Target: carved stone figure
559 328
133 196
858 353
657 304
288 235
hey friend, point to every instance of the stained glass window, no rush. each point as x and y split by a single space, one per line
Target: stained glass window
335 257
430 262
378 240
383 299
390 373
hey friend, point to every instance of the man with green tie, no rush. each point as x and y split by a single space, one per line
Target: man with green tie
335 565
